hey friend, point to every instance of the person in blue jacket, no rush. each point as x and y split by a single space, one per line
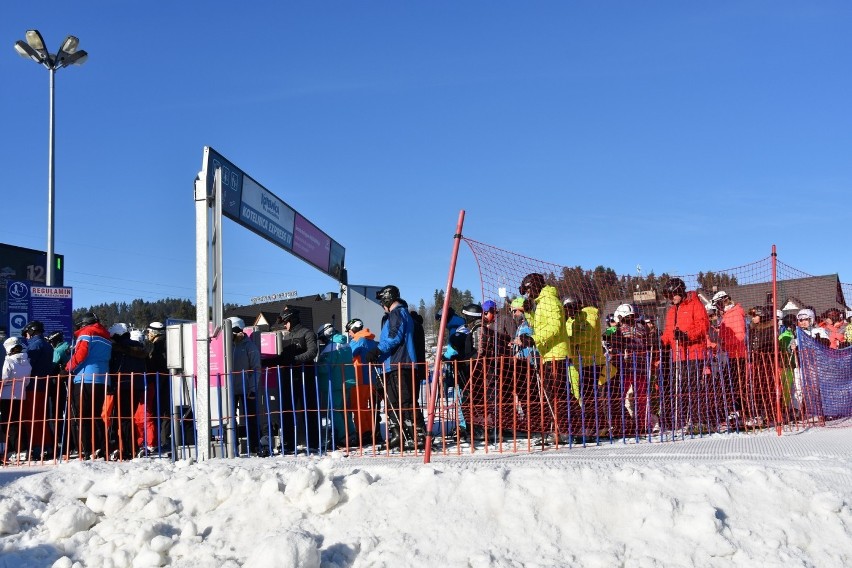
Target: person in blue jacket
397 353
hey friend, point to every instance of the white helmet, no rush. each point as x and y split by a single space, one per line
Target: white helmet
325 331
237 324
623 311
806 313
118 329
136 335
157 328
718 297
11 343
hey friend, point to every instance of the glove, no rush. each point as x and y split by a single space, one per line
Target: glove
681 336
373 355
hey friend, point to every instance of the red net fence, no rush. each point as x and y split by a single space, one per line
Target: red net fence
577 356
557 357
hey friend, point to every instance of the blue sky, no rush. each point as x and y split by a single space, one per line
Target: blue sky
681 136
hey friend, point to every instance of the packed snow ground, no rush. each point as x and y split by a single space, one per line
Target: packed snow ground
735 500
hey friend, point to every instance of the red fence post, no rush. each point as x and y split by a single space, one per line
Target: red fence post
432 385
775 348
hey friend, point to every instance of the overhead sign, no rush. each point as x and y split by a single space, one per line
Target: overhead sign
18 263
51 305
275 297
261 211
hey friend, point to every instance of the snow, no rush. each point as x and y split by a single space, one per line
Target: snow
732 500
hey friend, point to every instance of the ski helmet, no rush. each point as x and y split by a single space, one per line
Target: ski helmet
88 318
531 281
289 313
674 287
719 297
472 311
806 314
33 328
156 328
623 311
388 295
325 331
118 329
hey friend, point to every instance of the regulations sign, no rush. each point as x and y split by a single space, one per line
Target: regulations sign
51 305
18 263
261 211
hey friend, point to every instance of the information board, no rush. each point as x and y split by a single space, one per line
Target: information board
51 305
18 263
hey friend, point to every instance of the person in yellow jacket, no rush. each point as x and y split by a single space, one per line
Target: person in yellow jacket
583 328
548 323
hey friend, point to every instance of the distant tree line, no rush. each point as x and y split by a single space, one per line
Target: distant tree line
140 313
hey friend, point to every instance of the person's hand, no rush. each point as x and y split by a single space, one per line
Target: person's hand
373 355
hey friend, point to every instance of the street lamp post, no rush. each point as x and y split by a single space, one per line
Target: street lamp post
67 55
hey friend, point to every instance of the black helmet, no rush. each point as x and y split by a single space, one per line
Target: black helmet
450 313
88 319
388 295
674 287
572 303
534 280
325 332
289 313
354 325
472 311
55 338
761 312
33 328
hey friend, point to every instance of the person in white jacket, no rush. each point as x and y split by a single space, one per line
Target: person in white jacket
16 376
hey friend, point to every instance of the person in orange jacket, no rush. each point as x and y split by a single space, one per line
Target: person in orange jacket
685 334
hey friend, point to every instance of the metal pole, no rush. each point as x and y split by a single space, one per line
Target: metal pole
433 385
50 183
775 355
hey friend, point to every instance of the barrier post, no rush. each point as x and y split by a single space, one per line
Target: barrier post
775 348
432 386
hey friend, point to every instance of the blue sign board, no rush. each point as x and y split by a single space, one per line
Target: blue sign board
29 301
18 263
261 211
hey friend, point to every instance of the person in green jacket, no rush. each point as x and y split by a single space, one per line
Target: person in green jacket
552 343
335 369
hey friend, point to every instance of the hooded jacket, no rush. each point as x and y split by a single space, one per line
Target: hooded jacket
396 341
584 338
92 350
16 376
362 343
246 366
549 326
690 317
732 332
335 362
40 353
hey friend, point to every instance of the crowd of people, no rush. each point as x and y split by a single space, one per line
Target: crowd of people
543 365
99 398
711 369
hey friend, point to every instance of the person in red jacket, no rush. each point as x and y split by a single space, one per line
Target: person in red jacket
685 334
738 394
